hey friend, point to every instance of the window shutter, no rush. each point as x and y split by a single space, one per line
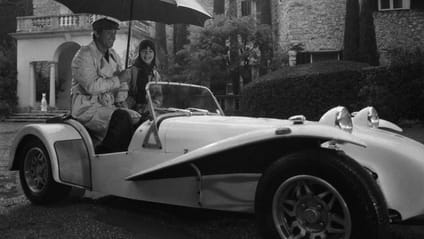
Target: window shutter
374 5
417 4
246 8
265 8
303 58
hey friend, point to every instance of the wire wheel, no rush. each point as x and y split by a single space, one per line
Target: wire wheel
36 169
35 173
306 206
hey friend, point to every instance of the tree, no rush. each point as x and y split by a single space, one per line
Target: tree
8 81
161 43
208 59
351 34
9 10
367 40
234 46
180 36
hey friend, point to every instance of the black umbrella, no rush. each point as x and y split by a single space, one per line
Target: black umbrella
165 11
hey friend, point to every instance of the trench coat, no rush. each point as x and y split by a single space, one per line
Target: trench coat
94 87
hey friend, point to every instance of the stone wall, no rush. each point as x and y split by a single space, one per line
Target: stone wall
398 29
48 8
319 25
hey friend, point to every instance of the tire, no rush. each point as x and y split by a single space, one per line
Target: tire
35 173
319 194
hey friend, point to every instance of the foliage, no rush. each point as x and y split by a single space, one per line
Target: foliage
311 90
8 99
397 91
304 89
402 56
207 57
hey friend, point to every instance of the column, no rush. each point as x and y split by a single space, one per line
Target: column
52 91
31 85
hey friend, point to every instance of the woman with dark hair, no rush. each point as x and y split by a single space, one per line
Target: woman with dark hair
142 72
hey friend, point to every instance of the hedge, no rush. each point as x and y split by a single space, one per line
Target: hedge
311 90
8 98
396 92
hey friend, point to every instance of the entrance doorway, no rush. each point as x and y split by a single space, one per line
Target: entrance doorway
66 52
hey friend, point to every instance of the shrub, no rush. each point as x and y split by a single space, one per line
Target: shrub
396 91
304 89
8 99
311 90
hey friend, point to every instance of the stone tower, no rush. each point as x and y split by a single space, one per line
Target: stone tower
314 26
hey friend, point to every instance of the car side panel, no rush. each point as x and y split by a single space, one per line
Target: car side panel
229 192
399 163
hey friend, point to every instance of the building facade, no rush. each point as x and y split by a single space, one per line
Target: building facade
315 29
399 25
48 39
46 43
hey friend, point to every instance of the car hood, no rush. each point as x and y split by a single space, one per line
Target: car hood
199 131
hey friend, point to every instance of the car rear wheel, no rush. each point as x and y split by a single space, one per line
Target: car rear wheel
36 175
319 194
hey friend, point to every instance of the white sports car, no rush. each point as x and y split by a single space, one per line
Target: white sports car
341 177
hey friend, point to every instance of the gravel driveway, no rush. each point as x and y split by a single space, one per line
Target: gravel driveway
90 216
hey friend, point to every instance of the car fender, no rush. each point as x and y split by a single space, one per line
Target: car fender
321 132
385 124
398 164
55 138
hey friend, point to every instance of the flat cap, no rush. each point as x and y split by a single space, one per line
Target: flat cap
105 24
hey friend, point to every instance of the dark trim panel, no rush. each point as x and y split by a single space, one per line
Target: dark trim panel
73 162
252 158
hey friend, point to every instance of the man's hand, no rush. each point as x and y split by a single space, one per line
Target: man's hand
135 116
124 76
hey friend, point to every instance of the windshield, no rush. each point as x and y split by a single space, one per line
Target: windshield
166 97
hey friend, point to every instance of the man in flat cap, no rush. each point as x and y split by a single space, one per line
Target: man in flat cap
97 78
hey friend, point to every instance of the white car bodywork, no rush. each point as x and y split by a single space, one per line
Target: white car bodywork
171 162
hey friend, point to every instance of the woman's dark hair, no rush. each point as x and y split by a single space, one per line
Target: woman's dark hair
144 71
143 45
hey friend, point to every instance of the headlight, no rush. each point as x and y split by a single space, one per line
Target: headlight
367 117
373 119
343 120
338 116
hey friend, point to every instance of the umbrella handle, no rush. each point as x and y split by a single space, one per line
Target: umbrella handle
129 34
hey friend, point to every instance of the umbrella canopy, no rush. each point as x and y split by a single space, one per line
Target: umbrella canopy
165 11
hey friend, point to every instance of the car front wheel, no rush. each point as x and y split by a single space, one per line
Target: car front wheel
319 194
36 175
